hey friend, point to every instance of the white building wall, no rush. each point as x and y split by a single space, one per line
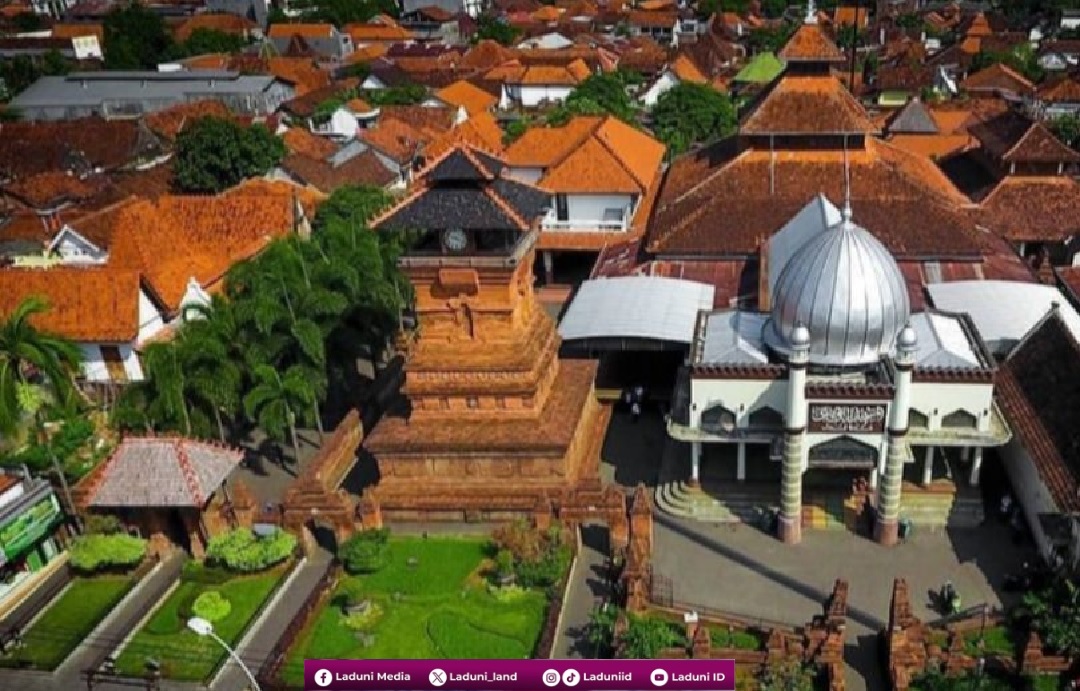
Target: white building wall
928 397
151 320
93 366
132 366
742 397
529 176
590 207
662 85
532 95
1031 493
341 124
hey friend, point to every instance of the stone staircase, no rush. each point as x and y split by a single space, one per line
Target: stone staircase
732 505
962 509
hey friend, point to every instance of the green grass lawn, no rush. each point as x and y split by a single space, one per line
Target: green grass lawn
740 640
182 654
439 613
997 640
68 620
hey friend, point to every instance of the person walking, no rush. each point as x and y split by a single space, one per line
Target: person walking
635 411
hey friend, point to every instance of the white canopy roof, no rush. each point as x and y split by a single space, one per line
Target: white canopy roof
636 307
1003 311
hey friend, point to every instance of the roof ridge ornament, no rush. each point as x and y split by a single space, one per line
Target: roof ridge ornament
811 12
847 223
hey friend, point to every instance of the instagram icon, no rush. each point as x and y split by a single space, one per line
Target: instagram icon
552 678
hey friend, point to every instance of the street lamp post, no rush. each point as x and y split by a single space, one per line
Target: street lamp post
204 628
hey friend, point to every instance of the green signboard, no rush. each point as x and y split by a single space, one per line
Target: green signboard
28 527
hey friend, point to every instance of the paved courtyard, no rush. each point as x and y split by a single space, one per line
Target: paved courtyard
744 571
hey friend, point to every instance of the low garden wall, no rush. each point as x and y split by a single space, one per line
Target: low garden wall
545 646
955 646
269 674
756 648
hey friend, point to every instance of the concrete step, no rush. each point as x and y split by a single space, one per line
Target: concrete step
942 510
680 499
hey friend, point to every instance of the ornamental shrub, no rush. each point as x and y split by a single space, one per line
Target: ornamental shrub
95 552
243 550
211 606
103 524
365 552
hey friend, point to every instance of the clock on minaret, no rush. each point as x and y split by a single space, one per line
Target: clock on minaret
455 240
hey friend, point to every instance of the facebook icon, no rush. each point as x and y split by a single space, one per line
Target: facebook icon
323 677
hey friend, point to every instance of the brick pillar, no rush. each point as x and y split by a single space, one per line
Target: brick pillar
790 528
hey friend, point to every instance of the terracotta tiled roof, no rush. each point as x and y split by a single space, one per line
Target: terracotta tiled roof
568 75
685 69
998 77
806 105
481 131
76 30
394 138
363 169
169 122
1063 89
366 33
162 472
846 15
810 43
87 305
1042 405
178 238
468 96
649 20
904 74
300 140
428 120
304 30
725 201
309 199
1033 209
1014 138
486 54
46 190
225 23
29 148
547 13
359 106
306 105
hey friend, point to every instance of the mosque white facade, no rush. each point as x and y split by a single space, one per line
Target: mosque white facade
838 373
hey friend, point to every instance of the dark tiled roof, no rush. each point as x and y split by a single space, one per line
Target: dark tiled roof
1042 404
458 167
451 207
1013 137
362 169
29 148
527 200
913 118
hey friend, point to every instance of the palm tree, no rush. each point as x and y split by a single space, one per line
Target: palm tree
165 374
273 403
212 379
32 361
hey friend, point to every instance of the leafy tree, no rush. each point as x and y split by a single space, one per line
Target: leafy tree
848 37
214 154
275 401
135 37
354 204
769 40
95 552
19 72
1054 612
28 21
773 8
607 90
691 113
203 41
366 551
645 637
1021 58
404 95
494 28
212 375
243 550
789 676
211 606
602 627
34 365
909 20
103 524
1067 129
521 539
342 12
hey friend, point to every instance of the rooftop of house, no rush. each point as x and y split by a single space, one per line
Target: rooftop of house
162 472
468 96
1042 405
590 155
288 30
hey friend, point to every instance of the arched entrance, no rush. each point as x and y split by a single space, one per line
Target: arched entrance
835 469
324 535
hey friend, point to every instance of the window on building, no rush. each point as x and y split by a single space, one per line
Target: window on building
114 363
472 402
766 417
917 419
444 403
717 418
959 419
562 208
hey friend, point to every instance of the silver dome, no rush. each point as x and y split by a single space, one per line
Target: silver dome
846 289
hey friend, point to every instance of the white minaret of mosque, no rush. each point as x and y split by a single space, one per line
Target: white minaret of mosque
887 529
811 12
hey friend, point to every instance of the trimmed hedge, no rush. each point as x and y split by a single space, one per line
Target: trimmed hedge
91 553
243 550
